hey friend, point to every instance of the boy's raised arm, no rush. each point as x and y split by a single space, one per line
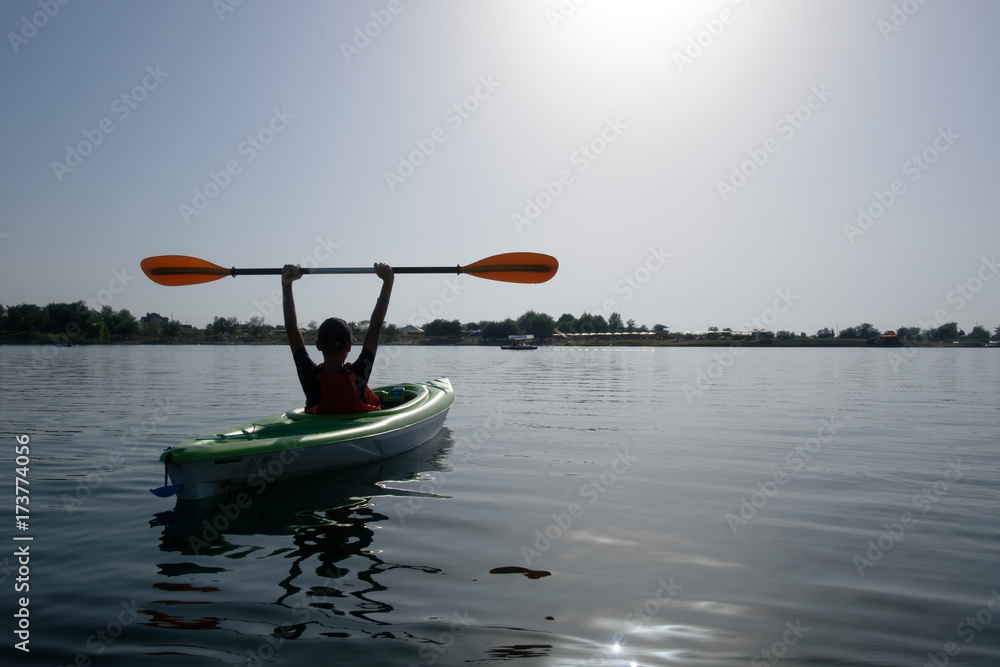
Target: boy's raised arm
383 271
289 274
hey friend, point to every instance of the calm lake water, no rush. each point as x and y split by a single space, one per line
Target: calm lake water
598 506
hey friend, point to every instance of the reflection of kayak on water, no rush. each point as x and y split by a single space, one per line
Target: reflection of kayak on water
325 554
294 443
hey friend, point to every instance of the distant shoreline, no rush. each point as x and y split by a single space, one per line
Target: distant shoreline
791 342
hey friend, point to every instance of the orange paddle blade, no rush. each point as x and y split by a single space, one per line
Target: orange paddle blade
174 270
515 267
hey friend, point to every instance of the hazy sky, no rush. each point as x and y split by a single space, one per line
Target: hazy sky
689 163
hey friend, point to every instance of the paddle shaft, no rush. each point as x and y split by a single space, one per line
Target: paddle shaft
531 268
363 269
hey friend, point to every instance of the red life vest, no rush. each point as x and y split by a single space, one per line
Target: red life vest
339 396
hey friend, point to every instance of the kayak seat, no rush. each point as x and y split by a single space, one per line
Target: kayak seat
394 399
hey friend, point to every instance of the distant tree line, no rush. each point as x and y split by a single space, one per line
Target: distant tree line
69 320
77 321
539 325
946 333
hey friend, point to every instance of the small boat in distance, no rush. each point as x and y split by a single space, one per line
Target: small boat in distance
889 338
518 342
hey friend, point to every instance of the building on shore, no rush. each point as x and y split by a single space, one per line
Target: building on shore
410 330
152 319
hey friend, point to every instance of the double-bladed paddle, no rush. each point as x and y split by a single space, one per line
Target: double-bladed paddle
511 267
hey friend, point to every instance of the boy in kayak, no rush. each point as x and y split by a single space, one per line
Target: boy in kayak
336 386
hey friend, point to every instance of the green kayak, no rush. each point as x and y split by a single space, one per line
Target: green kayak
293 444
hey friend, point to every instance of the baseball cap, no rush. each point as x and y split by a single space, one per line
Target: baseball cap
334 334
